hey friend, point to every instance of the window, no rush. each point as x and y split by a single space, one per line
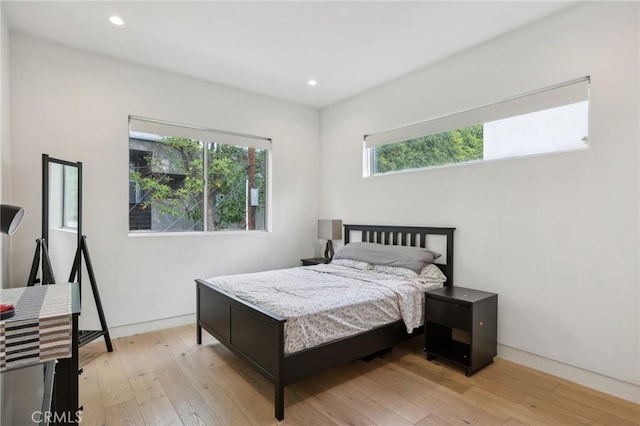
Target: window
185 179
553 119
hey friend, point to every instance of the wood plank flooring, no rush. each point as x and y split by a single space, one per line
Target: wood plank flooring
165 378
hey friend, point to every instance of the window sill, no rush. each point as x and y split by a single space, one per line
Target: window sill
143 234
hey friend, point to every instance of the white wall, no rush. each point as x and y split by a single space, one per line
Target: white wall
6 409
556 236
74 105
5 148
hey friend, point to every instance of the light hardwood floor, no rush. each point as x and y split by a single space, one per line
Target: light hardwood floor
164 377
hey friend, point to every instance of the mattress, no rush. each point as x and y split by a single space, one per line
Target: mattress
323 303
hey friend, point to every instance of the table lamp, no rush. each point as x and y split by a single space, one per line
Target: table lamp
329 229
10 219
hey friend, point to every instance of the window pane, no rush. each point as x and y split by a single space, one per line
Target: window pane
455 146
236 187
166 184
184 179
554 129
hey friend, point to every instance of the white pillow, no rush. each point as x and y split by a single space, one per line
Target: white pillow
432 274
396 270
350 263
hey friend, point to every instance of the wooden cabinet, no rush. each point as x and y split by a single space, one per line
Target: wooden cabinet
461 326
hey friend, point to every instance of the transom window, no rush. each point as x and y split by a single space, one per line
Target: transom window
553 119
186 179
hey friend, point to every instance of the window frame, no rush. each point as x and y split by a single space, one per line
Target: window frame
394 135
221 137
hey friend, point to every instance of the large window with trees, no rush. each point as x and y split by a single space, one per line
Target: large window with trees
553 119
189 179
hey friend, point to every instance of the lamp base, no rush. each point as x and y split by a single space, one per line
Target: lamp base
328 251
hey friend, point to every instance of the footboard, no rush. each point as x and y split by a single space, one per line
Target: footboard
254 334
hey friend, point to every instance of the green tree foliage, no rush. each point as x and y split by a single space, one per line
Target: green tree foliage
454 146
172 181
228 175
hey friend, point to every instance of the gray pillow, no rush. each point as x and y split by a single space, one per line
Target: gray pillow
414 258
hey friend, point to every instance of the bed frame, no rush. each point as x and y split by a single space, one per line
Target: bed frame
257 335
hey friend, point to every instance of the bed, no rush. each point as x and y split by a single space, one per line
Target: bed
257 335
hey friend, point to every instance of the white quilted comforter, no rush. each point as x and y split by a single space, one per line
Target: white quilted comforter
327 302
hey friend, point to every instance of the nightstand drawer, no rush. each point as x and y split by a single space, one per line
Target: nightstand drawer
450 314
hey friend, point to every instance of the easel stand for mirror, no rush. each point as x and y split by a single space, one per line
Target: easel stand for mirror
86 336
42 258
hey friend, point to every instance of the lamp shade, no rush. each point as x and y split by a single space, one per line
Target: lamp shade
10 218
330 229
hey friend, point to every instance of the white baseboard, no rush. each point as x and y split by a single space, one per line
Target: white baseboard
147 326
618 388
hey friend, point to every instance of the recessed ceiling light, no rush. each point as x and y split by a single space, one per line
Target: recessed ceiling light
116 20
312 82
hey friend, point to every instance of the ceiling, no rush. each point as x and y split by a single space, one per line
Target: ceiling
274 48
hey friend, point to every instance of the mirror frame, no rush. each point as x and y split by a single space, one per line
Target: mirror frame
46 161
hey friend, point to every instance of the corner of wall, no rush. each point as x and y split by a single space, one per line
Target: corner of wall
5 148
4 139
6 413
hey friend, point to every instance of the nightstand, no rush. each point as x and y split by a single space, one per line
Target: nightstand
461 326
314 261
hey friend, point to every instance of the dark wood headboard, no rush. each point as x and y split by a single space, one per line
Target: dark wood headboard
415 236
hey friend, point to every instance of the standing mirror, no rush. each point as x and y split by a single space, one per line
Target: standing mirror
62 217
62 247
